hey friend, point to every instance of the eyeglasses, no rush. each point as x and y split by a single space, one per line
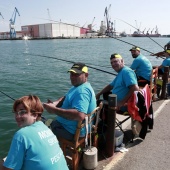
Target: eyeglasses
21 112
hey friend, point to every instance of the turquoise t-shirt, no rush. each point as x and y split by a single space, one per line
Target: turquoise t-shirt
166 62
123 80
35 147
142 67
81 98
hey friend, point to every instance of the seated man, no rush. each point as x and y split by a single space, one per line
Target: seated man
123 85
142 67
167 46
165 62
78 101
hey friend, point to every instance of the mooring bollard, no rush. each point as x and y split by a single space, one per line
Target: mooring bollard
110 134
165 81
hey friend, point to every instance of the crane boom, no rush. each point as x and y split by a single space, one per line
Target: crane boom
1 15
49 16
106 13
12 23
93 21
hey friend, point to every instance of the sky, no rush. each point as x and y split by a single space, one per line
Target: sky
128 15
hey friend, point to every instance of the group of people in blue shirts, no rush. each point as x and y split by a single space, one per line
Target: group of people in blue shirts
35 146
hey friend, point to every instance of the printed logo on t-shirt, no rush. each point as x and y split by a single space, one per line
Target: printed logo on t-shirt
45 134
56 158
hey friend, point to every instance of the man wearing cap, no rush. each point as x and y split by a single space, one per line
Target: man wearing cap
141 65
167 46
78 101
124 84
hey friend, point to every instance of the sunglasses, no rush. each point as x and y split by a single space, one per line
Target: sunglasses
21 112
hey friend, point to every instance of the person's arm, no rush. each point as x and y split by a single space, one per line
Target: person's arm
132 88
3 167
57 103
164 63
161 66
71 114
106 89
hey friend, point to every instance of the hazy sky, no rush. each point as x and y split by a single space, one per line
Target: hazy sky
144 14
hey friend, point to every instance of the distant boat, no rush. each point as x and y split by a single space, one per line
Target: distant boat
137 34
123 34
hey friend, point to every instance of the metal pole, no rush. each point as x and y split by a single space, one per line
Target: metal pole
165 81
110 134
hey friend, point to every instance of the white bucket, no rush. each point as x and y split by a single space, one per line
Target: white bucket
90 158
118 137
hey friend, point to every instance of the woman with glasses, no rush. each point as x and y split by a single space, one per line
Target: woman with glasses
33 146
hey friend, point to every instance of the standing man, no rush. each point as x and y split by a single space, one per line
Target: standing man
141 65
123 85
73 107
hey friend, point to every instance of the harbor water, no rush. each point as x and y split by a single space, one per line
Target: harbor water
32 67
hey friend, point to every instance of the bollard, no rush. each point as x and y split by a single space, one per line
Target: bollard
110 134
165 81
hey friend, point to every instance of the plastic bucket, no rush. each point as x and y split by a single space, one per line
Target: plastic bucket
168 89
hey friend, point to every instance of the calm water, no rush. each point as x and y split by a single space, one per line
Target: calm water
23 71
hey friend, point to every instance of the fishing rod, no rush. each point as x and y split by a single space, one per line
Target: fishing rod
112 37
141 32
61 22
42 117
135 45
71 62
7 95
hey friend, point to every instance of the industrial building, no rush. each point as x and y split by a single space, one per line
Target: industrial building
50 30
53 30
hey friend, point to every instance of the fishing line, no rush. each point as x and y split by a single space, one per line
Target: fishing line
141 32
60 22
112 37
7 95
71 62
135 45
42 117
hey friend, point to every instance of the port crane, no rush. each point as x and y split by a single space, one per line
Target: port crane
143 31
138 28
152 30
1 15
106 14
12 23
90 26
148 31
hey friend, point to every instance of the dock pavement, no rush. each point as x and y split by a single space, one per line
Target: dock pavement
152 153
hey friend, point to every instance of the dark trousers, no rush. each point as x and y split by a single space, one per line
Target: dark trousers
142 81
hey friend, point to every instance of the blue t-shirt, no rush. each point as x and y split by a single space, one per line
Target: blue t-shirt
123 80
81 98
142 67
166 62
35 147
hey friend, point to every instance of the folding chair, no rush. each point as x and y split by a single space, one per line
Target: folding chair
73 149
153 83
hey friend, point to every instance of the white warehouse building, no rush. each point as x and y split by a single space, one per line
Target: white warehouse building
53 30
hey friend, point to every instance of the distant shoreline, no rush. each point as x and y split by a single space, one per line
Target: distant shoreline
50 38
